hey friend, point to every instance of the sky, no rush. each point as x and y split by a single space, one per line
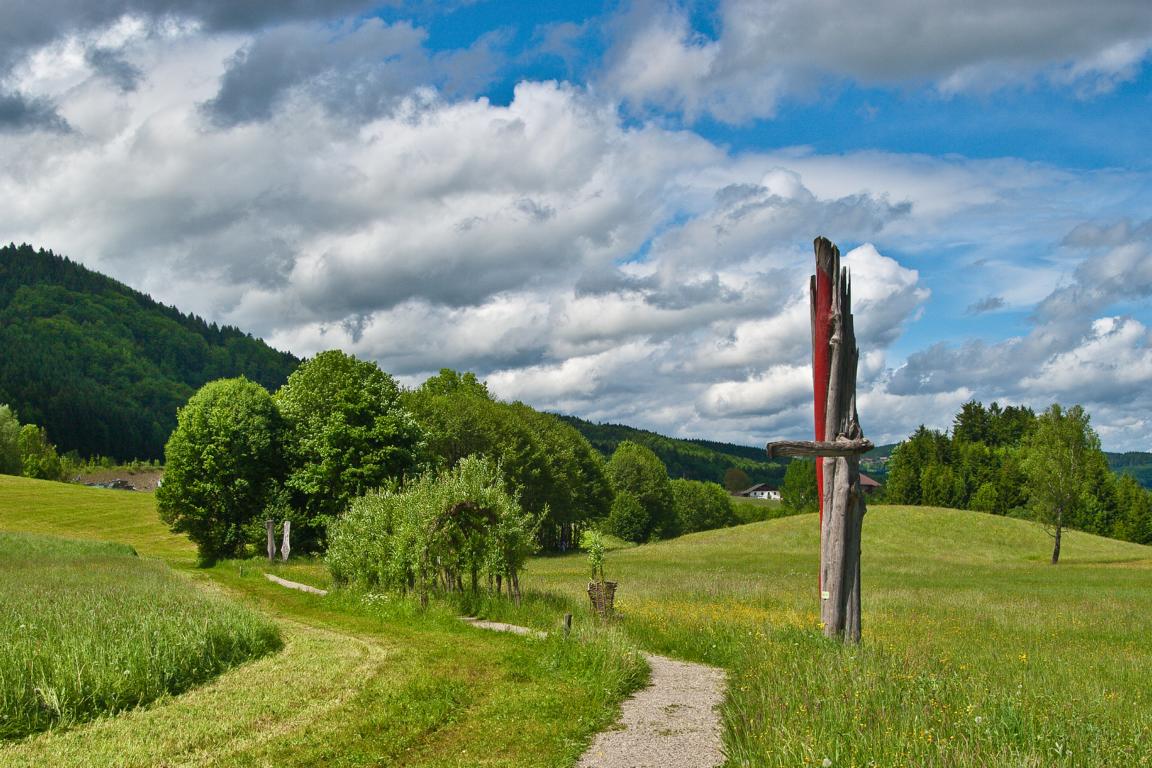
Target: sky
607 209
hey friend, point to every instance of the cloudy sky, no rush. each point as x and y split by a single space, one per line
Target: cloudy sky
607 209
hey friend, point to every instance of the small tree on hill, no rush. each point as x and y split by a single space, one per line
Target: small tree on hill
38 457
736 480
223 463
701 506
798 492
628 520
1059 460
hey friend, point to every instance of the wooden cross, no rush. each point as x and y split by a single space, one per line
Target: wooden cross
839 442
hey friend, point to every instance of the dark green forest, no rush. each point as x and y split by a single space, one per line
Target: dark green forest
689 459
103 367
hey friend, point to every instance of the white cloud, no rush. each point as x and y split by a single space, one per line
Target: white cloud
764 52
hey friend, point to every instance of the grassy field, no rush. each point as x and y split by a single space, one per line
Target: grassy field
358 682
90 628
976 653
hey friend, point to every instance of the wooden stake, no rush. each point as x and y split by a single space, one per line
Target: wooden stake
839 442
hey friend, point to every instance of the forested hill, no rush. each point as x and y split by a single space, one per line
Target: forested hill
104 367
691 459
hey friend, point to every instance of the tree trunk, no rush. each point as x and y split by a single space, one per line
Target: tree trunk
1056 544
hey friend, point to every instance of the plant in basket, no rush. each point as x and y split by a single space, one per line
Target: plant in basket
602 593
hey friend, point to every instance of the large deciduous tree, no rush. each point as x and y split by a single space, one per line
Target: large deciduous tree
347 434
223 463
637 470
1061 457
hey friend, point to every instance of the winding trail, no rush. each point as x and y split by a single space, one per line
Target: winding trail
295 585
672 723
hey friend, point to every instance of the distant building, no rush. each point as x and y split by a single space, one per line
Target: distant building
761 491
867 484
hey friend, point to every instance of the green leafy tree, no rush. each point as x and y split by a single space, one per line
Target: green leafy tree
38 457
347 434
10 463
628 519
1058 463
923 449
1134 522
637 470
223 464
798 492
701 506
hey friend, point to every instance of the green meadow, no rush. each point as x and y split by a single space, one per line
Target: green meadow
977 652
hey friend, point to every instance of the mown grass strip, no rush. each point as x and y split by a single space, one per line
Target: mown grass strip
90 628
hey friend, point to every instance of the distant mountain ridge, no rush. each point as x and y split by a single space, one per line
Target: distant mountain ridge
693 459
104 367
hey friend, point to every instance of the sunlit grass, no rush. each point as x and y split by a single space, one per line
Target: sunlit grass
976 653
89 628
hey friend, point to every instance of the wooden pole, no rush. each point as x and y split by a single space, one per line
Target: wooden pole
835 358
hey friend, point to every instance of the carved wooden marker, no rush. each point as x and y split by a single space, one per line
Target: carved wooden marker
839 442
285 544
269 527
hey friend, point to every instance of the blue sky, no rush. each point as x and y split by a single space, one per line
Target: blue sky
608 209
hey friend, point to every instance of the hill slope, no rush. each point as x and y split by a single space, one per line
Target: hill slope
104 367
691 459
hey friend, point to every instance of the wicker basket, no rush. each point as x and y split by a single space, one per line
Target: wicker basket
603 596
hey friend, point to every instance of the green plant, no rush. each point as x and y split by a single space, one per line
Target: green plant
592 542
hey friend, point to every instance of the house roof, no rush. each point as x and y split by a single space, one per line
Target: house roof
757 487
867 482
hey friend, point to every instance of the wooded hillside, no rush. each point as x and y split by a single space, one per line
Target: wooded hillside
691 459
104 367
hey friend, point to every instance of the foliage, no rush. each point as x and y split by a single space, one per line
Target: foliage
592 542
224 463
38 458
437 531
701 506
628 519
1059 458
103 368
798 492
691 459
637 470
347 433
90 629
736 480
10 463
558 476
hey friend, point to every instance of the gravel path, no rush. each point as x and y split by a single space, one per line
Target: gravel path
673 723
295 585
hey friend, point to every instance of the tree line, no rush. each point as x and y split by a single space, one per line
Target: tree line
1011 461
340 429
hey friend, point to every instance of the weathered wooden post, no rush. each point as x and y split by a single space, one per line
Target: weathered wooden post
285 544
839 443
269 527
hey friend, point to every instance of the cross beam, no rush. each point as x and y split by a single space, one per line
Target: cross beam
841 446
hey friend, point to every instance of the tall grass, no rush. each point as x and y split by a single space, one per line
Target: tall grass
976 651
89 628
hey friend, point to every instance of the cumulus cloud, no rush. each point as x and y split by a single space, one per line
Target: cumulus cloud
986 304
764 52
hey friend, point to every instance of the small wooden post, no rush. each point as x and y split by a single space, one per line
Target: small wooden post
839 444
269 527
285 544
567 624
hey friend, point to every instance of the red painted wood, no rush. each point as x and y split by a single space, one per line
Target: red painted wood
821 371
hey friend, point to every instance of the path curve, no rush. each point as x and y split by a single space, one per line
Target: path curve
295 585
672 723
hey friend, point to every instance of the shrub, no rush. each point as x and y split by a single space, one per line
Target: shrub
628 519
435 534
